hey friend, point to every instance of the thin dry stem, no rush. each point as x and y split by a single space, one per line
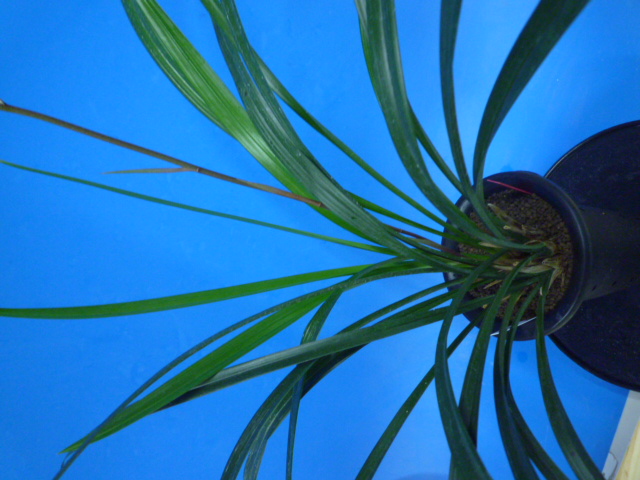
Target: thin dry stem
152 153
189 167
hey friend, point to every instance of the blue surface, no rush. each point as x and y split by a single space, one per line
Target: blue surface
65 244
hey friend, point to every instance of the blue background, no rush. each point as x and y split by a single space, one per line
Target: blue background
65 244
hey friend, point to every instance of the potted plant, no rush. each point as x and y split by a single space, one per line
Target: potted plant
519 265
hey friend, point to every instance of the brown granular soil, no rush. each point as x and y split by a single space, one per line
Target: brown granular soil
535 214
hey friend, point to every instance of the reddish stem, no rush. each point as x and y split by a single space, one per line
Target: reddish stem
509 186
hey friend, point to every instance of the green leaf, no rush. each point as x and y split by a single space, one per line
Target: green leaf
208 366
471 389
81 446
274 410
248 370
381 448
270 120
513 442
382 53
429 147
535 450
310 334
412 318
464 455
286 96
169 203
422 314
388 213
202 86
253 442
449 18
509 414
470 396
279 89
188 70
176 301
547 24
569 441
161 373
263 425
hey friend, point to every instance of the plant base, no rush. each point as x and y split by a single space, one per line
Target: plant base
604 335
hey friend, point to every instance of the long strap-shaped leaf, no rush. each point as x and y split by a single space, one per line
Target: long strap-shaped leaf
429 147
547 24
282 92
390 214
273 412
251 445
449 18
272 123
325 358
206 211
286 96
200 84
209 365
535 450
245 371
183 166
470 395
461 443
310 334
204 368
513 443
263 425
414 317
309 370
515 432
382 53
80 446
215 361
176 301
190 167
383 444
423 314
569 441
472 386
279 89
115 416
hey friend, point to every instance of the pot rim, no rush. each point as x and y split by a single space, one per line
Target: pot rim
581 247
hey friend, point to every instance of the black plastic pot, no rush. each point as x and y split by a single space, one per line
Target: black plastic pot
596 190
605 248
604 172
